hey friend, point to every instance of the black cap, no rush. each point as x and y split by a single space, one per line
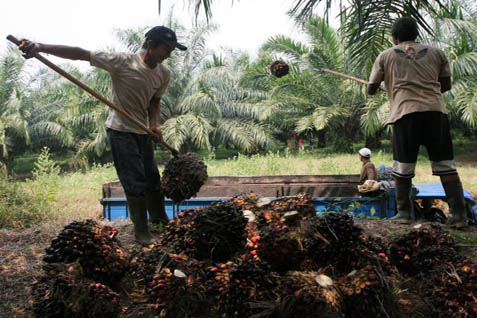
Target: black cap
164 35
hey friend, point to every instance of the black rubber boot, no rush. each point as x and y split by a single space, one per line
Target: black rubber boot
138 212
156 207
455 199
403 201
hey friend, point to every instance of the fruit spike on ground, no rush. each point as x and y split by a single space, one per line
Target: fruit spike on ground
93 246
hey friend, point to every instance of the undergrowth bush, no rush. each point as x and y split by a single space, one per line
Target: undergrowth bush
26 204
20 208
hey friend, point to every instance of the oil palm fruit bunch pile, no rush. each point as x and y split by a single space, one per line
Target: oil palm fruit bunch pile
183 177
307 294
366 293
279 68
422 250
452 290
216 232
94 247
64 292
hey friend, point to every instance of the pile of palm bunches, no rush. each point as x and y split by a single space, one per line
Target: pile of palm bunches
279 68
94 247
216 232
183 177
422 250
452 290
64 292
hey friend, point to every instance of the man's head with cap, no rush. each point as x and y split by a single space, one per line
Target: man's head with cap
162 35
365 152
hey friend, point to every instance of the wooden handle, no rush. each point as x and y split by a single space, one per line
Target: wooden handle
349 77
94 93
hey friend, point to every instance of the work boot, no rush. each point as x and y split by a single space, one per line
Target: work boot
403 201
156 207
138 212
455 199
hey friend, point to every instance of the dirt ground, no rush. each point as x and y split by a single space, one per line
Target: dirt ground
21 253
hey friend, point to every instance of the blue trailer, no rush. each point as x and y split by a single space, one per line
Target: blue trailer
329 192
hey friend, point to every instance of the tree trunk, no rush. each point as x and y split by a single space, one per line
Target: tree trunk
374 141
292 141
321 138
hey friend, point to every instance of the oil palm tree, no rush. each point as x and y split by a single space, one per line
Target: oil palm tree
308 99
13 114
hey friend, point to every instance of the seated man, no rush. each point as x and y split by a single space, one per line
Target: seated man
368 171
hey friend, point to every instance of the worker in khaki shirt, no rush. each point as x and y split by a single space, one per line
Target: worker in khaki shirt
139 80
368 170
415 76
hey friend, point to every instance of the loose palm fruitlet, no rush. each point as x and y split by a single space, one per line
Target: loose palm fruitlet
422 250
183 176
279 68
64 292
93 246
216 232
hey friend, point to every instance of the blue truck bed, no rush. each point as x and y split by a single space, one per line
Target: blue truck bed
328 193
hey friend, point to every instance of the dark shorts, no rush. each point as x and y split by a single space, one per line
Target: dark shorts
133 156
430 129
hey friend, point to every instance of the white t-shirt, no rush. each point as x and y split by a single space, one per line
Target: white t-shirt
134 85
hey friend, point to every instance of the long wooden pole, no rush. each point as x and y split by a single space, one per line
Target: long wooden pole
359 80
93 92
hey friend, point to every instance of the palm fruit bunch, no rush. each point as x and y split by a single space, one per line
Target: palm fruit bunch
367 293
216 232
332 239
247 201
143 265
217 283
301 203
64 292
94 247
452 290
421 250
178 288
183 177
250 283
235 286
279 68
373 251
307 294
280 247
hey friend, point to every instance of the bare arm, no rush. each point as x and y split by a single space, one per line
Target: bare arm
63 51
372 88
153 112
446 84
